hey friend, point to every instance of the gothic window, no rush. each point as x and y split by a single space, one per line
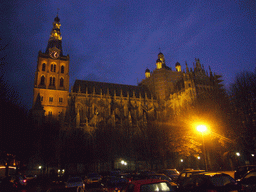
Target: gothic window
41 98
61 82
50 113
53 68
60 100
42 80
50 99
62 69
52 81
43 67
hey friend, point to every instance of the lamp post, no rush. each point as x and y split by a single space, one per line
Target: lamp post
203 129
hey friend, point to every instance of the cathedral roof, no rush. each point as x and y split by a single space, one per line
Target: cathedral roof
113 88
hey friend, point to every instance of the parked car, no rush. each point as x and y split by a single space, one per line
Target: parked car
148 185
74 182
248 181
62 190
210 181
185 175
242 170
94 187
172 173
114 183
20 181
30 179
163 177
92 178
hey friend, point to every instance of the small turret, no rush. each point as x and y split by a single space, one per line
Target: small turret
159 64
178 67
187 70
147 73
161 57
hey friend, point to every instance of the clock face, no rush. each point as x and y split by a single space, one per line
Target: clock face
54 54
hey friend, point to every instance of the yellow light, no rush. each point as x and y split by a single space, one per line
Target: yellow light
201 128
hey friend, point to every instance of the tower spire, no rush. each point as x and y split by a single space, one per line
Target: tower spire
55 40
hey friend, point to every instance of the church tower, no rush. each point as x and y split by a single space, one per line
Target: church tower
51 87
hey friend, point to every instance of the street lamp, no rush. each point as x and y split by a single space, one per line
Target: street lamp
203 129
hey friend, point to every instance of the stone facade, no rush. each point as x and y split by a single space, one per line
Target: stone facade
90 103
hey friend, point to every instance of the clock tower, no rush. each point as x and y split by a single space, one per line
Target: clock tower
51 87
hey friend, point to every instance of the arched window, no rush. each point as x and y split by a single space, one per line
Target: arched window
61 82
52 81
62 69
42 80
53 68
43 67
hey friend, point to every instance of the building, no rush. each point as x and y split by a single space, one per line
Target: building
89 103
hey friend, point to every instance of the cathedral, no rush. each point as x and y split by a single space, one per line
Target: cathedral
90 103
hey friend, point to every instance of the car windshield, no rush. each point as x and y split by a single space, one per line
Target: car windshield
252 174
172 172
222 180
163 186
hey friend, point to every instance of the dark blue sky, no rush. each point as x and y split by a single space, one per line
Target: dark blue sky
115 41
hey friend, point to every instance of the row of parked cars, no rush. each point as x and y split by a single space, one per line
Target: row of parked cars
166 180
244 180
16 182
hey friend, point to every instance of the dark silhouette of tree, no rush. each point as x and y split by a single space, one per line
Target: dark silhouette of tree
16 132
243 99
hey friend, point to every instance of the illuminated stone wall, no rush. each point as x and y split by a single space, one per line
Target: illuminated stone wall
53 93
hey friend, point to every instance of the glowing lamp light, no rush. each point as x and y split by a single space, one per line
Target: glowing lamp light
123 162
237 154
201 128
181 160
252 155
40 167
198 157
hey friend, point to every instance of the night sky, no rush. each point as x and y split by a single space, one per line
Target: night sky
115 41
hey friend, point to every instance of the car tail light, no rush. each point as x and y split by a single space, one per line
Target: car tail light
24 181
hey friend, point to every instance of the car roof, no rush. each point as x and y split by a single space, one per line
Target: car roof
192 171
160 174
147 181
210 174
